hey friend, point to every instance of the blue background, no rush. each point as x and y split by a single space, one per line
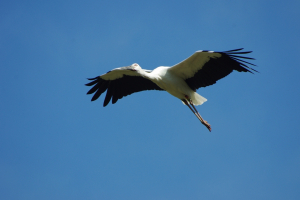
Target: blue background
56 144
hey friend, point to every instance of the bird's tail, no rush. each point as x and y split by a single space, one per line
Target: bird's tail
197 99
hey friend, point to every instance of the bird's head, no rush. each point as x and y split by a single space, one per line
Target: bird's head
135 67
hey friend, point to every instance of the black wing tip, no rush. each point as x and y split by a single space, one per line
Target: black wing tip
98 87
90 83
237 51
89 92
91 79
94 98
239 59
233 50
235 56
105 103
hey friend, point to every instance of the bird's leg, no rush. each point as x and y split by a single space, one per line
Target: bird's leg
186 103
205 123
195 111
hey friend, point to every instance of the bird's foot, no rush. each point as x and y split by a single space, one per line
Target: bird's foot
205 123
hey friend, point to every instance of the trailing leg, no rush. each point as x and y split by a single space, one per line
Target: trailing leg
188 101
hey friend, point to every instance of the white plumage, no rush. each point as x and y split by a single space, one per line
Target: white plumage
170 81
182 80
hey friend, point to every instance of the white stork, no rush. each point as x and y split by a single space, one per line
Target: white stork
182 80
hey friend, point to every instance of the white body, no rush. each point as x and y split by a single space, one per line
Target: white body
175 85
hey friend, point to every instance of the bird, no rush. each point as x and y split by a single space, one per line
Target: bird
201 69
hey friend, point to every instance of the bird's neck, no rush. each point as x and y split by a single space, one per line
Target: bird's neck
145 74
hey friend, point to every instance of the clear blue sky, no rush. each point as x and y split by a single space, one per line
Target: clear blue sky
56 144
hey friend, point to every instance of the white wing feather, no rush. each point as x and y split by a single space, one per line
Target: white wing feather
187 68
118 73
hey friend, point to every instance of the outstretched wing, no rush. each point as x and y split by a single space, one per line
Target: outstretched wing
204 68
119 82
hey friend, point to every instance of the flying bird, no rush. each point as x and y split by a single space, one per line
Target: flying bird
201 69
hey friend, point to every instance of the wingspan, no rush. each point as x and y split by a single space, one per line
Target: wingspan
204 68
119 82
